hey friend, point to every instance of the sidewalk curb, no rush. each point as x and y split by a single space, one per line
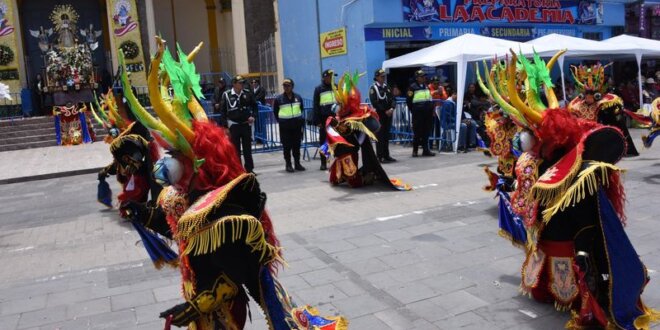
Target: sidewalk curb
49 176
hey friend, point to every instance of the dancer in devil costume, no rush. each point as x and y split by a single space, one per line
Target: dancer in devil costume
350 132
570 198
214 210
595 104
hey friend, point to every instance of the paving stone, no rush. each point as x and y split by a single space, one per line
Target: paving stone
393 319
367 322
349 287
169 292
513 312
369 266
73 324
411 292
423 325
357 306
459 302
320 294
149 313
468 320
42 317
23 305
336 246
400 259
89 307
322 276
366 240
294 283
427 310
113 320
9 321
393 235
131 300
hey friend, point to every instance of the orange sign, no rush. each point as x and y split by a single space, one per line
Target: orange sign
333 43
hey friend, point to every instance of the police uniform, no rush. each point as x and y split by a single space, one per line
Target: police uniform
324 100
288 112
382 100
236 109
421 107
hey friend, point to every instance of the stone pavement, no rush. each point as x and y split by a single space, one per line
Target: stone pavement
49 162
426 259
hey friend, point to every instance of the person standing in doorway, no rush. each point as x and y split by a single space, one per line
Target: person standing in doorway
287 109
238 109
381 98
218 93
421 107
258 91
324 100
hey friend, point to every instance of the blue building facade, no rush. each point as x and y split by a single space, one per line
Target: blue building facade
377 30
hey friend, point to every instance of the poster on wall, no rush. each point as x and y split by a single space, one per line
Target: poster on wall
126 36
504 11
8 47
333 43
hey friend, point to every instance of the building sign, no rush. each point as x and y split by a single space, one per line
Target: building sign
503 11
399 33
333 43
445 32
523 33
126 36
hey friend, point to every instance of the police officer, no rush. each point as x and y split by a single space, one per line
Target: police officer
421 108
324 100
383 101
287 108
218 93
258 91
238 110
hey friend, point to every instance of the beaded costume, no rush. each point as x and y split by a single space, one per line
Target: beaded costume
569 197
213 209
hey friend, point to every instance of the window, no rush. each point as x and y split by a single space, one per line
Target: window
593 35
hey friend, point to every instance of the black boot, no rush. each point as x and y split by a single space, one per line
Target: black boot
323 164
414 154
289 168
299 167
428 153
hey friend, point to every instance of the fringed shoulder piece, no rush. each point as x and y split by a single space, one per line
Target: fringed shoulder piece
586 184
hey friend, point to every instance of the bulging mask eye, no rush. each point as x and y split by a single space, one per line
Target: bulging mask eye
598 96
581 96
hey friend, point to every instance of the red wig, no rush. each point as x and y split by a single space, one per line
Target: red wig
221 165
560 131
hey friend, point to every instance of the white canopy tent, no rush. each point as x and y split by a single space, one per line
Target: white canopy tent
550 44
641 47
460 50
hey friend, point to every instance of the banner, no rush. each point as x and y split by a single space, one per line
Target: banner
9 73
504 11
126 35
333 43
447 31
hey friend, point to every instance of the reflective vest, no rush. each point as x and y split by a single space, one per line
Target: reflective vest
422 95
326 98
291 110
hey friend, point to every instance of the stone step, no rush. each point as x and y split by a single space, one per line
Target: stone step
5 134
19 146
28 139
28 127
25 121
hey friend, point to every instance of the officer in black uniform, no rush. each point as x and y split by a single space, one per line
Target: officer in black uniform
383 101
324 100
218 93
288 108
258 91
421 107
238 110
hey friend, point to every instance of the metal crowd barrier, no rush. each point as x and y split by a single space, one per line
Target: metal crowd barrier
443 135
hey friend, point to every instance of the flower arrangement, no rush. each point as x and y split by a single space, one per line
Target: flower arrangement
6 55
131 49
70 66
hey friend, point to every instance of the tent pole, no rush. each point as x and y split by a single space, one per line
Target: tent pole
638 56
563 82
461 70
